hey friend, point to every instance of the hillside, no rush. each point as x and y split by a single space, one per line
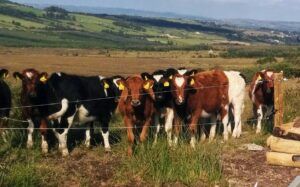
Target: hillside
24 26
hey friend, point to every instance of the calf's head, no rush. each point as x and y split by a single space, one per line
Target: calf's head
161 86
113 86
179 88
31 79
266 79
135 88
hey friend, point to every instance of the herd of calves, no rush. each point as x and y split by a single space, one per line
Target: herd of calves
171 98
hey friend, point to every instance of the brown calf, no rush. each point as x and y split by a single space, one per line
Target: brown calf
136 106
30 79
261 93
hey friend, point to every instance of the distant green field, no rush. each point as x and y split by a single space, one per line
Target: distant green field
27 26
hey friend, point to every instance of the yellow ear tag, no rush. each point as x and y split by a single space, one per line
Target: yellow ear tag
106 86
259 77
166 84
147 86
43 79
192 82
121 86
171 77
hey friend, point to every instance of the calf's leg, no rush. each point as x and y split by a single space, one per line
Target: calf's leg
130 135
259 119
168 125
225 119
43 131
30 130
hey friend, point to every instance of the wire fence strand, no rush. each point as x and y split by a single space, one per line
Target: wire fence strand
105 98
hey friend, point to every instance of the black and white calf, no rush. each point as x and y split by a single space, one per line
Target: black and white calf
93 98
5 98
163 102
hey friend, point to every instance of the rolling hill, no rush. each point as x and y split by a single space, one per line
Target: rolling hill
26 26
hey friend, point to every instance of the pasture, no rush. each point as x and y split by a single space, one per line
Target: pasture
216 163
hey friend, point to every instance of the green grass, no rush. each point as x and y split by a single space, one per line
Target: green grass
159 164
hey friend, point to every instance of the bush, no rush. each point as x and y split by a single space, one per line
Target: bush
266 60
16 23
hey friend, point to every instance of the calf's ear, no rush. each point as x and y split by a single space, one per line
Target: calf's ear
18 75
105 83
3 73
148 84
260 76
122 87
146 76
121 84
43 77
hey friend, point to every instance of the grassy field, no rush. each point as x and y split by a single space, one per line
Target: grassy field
216 163
25 26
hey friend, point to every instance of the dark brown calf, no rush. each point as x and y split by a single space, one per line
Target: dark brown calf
136 106
30 79
261 93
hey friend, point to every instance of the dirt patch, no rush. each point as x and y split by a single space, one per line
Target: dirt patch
84 167
245 168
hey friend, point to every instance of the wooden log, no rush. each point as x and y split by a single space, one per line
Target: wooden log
287 131
283 145
283 159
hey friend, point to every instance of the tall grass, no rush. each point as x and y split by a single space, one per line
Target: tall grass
159 164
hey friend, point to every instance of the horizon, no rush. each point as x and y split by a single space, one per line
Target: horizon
270 10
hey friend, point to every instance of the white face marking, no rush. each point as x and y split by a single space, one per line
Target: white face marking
101 77
59 74
115 81
182 71
269 73
179 81
157 77
29 75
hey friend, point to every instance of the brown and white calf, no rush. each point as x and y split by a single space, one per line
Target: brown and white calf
136 106
261 93
32 112
205 95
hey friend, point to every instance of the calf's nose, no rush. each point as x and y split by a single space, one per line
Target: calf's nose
135 102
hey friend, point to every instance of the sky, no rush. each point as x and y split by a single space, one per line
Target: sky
276 10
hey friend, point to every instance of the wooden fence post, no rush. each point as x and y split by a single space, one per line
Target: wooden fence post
278 99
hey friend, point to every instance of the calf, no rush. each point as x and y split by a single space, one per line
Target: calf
136 106
5 99
32 111
261 93
93 98
236 96
204 95
163 102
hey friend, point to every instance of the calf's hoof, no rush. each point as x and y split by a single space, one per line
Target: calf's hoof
65 152
29 145
107 149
